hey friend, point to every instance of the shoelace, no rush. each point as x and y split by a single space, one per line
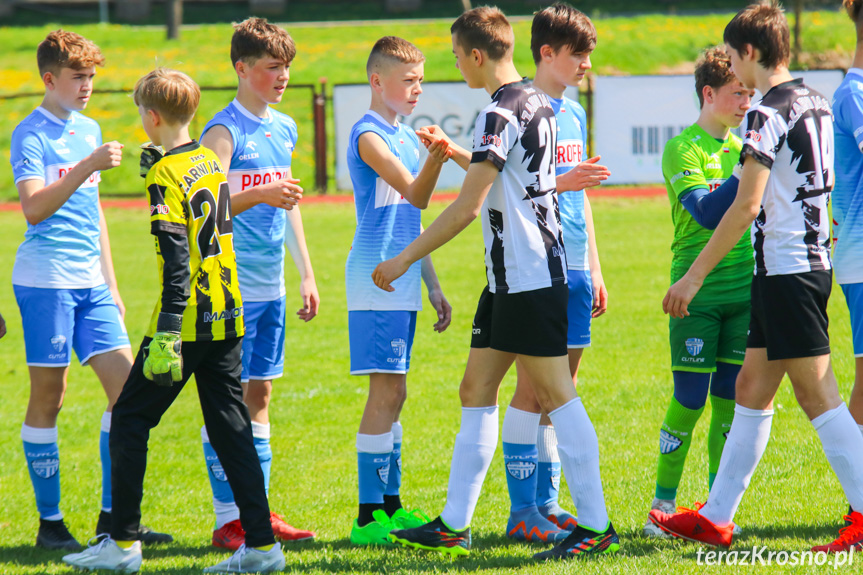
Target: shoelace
851 533
698 505
241 552
97 542
418 514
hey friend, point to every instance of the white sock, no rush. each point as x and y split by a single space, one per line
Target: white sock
744 447
519 426
260 430
471 456
844 450
398 432
382 443
578 447
105 423
546 444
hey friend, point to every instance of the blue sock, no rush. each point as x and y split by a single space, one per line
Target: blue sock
105 457
43 463
521 461
222 493
547 482
394 482
261 438
373 466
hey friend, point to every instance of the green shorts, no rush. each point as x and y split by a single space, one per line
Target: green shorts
710 333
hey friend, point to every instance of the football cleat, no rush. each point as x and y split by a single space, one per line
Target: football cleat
403 519
284 532
850 537
106 555
528 525
434 536
557 515
249 560
667 506
689 524
230 535
583 542
375 533
145 535
55 536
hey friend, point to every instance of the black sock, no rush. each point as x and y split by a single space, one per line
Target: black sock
392 503
366 510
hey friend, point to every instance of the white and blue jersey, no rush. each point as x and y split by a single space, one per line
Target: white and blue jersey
386 222
262 154
848 189
571 138
62 251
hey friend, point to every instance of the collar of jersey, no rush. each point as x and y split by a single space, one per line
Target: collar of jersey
382 120
523 82
856 71
244 111
786 84
183 148
51 117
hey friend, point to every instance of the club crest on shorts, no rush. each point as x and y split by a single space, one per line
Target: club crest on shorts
399 346
58 341
694 345
668 443
46 468
384 473
521 470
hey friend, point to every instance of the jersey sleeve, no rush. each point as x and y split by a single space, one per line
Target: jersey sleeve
167 204
364 128
224 120
765 135
495 133
851 112
682 167
27 157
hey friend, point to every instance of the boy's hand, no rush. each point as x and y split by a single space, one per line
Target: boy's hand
600 295
284 193
439 151
443 309
680 294
311 299
164 362
107 156
387 272
586 174
430 134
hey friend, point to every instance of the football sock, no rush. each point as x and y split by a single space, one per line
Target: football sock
844 450
520 457
548 468
124 544
579 455
373 467
43 463
394 481
747 440
675 437
105 457
690 388
223 498
265 548
471 457
720 424
261 439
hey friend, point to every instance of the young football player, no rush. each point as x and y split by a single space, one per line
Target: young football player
707 346
522 311
390 189
255 143
63 276
785 188
196 328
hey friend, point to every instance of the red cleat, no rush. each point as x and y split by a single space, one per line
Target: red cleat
850 536
691 525
285 532
229 536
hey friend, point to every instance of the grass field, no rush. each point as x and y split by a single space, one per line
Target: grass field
653 44
794 499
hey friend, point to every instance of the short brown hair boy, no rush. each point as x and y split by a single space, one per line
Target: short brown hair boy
391 50
174 95
484 28
64 49
560 25
762 25
255 38
713 68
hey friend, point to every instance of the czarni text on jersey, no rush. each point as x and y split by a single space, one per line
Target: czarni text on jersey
197 172
804 104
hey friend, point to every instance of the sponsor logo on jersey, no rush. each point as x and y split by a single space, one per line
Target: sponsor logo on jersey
251 145
45 468
668 443
521 470
399 346
569 152
694 345
682 174
58 341
252 178
57 171
477 331
384 473
223 315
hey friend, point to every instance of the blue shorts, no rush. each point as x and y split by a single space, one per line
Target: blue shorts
264 342
55 321
854 297
579 308
381 341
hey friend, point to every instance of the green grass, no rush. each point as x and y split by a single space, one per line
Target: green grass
637 45
794 499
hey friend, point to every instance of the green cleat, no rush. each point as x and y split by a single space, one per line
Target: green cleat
409 519
375 533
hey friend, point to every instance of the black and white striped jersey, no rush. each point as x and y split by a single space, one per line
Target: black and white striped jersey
791 132
521 228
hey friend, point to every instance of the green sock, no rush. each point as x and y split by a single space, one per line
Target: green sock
674 440
720 424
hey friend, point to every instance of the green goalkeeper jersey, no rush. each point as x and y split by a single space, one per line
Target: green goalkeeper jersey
695 159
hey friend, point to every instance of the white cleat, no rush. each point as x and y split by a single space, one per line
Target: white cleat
653 530
106 555
248 560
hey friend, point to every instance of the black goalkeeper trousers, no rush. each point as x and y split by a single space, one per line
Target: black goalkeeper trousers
216 366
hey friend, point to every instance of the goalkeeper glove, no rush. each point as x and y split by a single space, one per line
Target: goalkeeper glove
164 362
150 154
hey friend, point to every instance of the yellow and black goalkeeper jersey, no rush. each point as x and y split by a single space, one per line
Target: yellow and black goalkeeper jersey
190 215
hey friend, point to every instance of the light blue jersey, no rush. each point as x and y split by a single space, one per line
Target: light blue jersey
571 138
262 154
386 222
848 190
62 251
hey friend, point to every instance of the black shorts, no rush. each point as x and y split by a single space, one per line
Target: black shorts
527 323
789 314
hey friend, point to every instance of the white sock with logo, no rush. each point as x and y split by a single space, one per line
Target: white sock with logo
844 451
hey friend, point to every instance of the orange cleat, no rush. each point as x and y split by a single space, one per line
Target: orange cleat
850 536
691 525
229 536
285 532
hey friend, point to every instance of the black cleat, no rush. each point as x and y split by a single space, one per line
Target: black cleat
54 535
434 536
145 535
583 543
